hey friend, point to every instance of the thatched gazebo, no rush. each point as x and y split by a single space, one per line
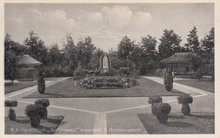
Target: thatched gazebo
28 68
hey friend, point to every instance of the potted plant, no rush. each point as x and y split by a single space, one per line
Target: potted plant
161 111
45 103
11 114
185 100
33 111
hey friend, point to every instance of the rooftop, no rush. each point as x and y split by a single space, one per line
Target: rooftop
181 57
28 60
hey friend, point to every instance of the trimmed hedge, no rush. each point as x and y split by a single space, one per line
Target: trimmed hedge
11 113
154 99
161 111
44 102
41 85
34 112
185 100
168 81
11 103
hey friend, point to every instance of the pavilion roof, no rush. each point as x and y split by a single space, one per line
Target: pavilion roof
181 57
28 60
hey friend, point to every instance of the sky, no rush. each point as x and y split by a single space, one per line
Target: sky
106 23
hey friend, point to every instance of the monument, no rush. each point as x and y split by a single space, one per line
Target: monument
105 63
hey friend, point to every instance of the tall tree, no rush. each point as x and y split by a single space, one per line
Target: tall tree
12 52
85 49
125 48
209 41
149 54
169 43
70 51
193 41
36 48
208 44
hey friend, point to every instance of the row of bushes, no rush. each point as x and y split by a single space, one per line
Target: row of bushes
161 110
37 111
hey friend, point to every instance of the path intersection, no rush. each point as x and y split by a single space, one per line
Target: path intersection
102 115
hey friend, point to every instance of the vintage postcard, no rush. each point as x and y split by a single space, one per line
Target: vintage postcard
109 67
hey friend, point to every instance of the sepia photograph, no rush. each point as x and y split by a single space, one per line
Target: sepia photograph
109 68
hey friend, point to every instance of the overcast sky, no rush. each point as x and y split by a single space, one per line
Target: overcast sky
105 23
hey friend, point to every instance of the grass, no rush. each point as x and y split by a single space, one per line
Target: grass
206 85
17 86
197 123
68 89
22 125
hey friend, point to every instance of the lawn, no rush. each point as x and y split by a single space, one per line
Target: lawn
17 86
68 89
206 85
22 125
197 123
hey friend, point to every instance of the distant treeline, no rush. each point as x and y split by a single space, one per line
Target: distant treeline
144 56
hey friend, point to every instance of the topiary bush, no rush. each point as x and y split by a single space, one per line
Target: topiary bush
34 111
11 114
41 85
168 80
154 99
45 103
161 111
185 100
198 74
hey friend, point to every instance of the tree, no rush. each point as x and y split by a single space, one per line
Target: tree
125 48
36 48
169 43
192 41
208 52
12 52
84 50
148 54
70 51
57 62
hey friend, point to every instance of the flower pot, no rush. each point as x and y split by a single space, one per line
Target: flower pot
35 120
185 109
12 115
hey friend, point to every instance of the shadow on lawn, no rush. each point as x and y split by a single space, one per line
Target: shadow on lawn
202 116
176 116
179 124
152 125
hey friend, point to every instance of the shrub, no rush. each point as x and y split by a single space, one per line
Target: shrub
10 103
11 113
80 72
198 74
185 100
45 103
154 99
41 85
161 111
34 112
168 81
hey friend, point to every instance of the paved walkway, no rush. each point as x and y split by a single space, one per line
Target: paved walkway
108 115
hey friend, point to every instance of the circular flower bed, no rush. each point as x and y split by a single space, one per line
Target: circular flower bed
108 82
